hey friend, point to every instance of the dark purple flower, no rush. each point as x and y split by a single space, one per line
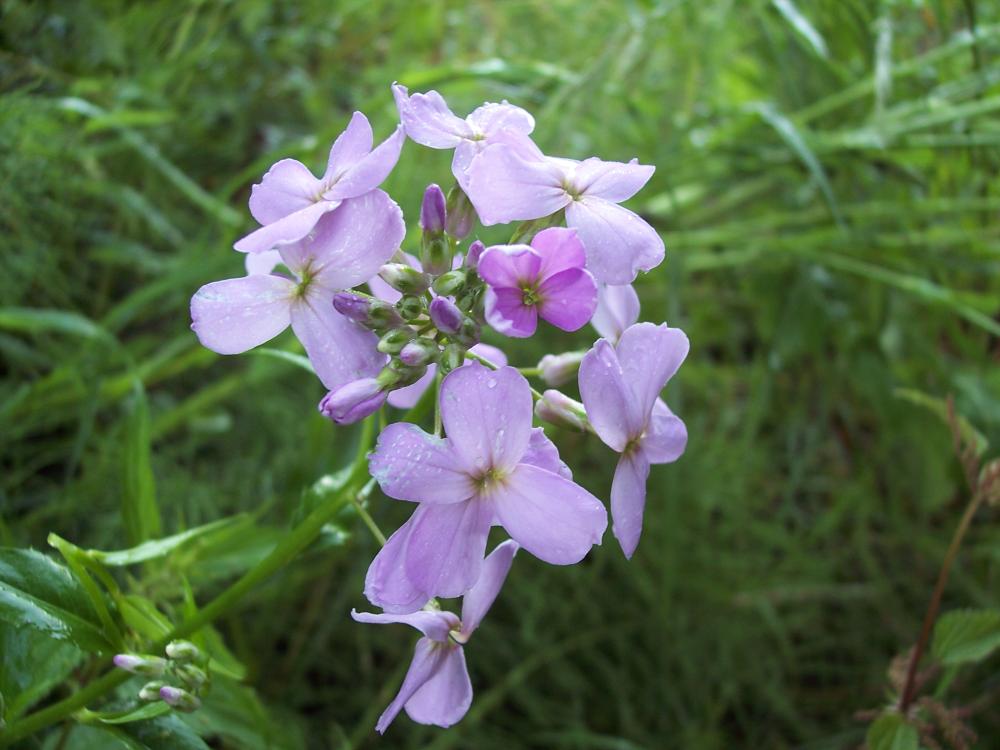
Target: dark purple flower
432 212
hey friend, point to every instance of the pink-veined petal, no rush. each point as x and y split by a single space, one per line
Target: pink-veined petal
560 249
351 146
386 583
369 173
611 406
410 464
478 600
445 698
435 625
491 118
568 299
428 657
509 265
504 187
262 263
666 435
617 309
613 181
628 499
340 350
649 355
286 187
235 315
428 120
487 416
553 518
619 243
543 453
506 312
286 230
445 551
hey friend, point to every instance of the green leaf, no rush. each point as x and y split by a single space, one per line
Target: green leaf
40 594
161 547
802 25
891 732
139 509
37 321
298 360
143 617
165 733
939 406
127 716
32 664
966 636
235 713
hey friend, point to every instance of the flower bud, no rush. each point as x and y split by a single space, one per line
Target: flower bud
472 255
354 401
451 282
432 211
468 333
556 369
182 700
183 651
421 351
351 306
394 340
435 253
370 312
461 214
560 409
151 691
452 357
192 676
411 308
405 374
446 316
404 278
142 664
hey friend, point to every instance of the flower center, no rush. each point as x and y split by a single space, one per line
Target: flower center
530 296
490 479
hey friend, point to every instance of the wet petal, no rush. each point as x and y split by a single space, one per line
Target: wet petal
568 299
446 547
611 405
650 355
509 265
445 698
428 120
340 350
351 146
286 230
480 598
286 187
410 464
617 309
666 435
434 624
386 583
369 173
235 315
613 181
428 657
506 312
262 263
618 242
560 248
491 118
504 187
628 499
543 453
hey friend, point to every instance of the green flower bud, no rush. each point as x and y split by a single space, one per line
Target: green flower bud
411 308
394 340
468 333
404 278
192 676
151 691
435 253
452 357
183 651
182 700
405 374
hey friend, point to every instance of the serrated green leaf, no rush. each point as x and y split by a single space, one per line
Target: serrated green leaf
140 512
891 732
966 636
161 547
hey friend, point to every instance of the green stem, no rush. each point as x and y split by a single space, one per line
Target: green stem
299 538
359 506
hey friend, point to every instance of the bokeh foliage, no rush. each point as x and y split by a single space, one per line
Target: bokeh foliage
827 188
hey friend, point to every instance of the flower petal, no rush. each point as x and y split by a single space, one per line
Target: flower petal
568 299
286 187
619 243
506 312
504 187
235 315
543 453
491 353
369 173
340 350
553 518
446 547
428 120
613 181
445 698
428 657
649 356
351 146
262 263
666 436
435 625
491 118
628 499
409 464
478 600
487 416
509 265
611 405
286 230
617 309
560 248
386 583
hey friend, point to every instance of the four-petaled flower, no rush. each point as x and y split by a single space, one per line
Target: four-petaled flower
620 386
437 689
546 279
289 200
511 180
346 248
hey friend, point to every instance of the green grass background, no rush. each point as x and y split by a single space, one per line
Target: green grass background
827 188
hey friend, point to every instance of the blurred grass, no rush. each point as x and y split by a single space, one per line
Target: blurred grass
826 185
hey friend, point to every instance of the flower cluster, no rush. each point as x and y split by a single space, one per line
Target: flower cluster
180 677
382 325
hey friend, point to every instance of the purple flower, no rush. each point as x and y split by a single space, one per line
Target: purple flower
482 473
445 315
617 309
430 122
432 210
620 386
545 279
347 248
407 397
353 402
437 689
290 200
512 180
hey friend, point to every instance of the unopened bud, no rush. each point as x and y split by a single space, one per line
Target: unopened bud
452 357
404 278
461 214
393 341
182 700
142 664
556 369
351 306
449 283
445 315
560 409
354 401
192 676
151 691
432 210
183 651
370 312
468 333
473 253
405 374
422 351
435 253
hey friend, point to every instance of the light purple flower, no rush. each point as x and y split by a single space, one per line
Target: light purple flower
546 279
347 248
430 122
290 200
511 180
407 397
437 689
476 476
617 309
353 401
620 386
